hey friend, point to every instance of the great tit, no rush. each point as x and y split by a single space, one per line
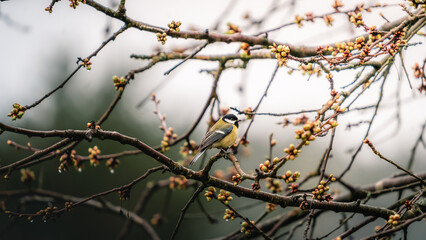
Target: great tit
221 135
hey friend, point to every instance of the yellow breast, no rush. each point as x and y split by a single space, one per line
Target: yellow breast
227 141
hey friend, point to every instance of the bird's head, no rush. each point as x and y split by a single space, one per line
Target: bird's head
231 118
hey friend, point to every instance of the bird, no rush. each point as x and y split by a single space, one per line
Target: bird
221 135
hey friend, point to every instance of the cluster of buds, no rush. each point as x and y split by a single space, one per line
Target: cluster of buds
162 37
249 113
344 49
298 20
408 204
274 185
328 19
93 125
267 166
174 26
168 137
292 152
237 179
244 142
320 193
417 3
309 69
332 122
246 228
337 4
17 112
232 29
48 9
333 104
93 155
397 42
304 205
86 64
394 47
27 176
112 163
245 47
418 72
229 215
333 91
373 35
394 220
179 182
47 214
294 187
281 53
255 186
68 159
270 207
224 196
290 177
74 3
359 43
309 16
364 53
327 48
78 163
68 206
188 149
300 120
210 193
119 83
124 194
307 133
157 219
356 19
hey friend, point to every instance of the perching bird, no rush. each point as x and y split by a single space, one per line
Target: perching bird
221 135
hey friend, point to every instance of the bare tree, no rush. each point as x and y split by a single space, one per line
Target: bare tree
296 203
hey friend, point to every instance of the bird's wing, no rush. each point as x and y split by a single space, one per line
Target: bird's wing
214 136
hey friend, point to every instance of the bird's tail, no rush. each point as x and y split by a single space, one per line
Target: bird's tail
197 156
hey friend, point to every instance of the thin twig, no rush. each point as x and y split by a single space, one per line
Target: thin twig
369 126
247 221
183 211
51 196
188 57
370 144
9 168
405 71
112 38
141 204
244 137
417 143
397 228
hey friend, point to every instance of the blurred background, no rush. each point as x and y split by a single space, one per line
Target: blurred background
39 50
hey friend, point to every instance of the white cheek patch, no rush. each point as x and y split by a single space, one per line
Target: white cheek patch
228 121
